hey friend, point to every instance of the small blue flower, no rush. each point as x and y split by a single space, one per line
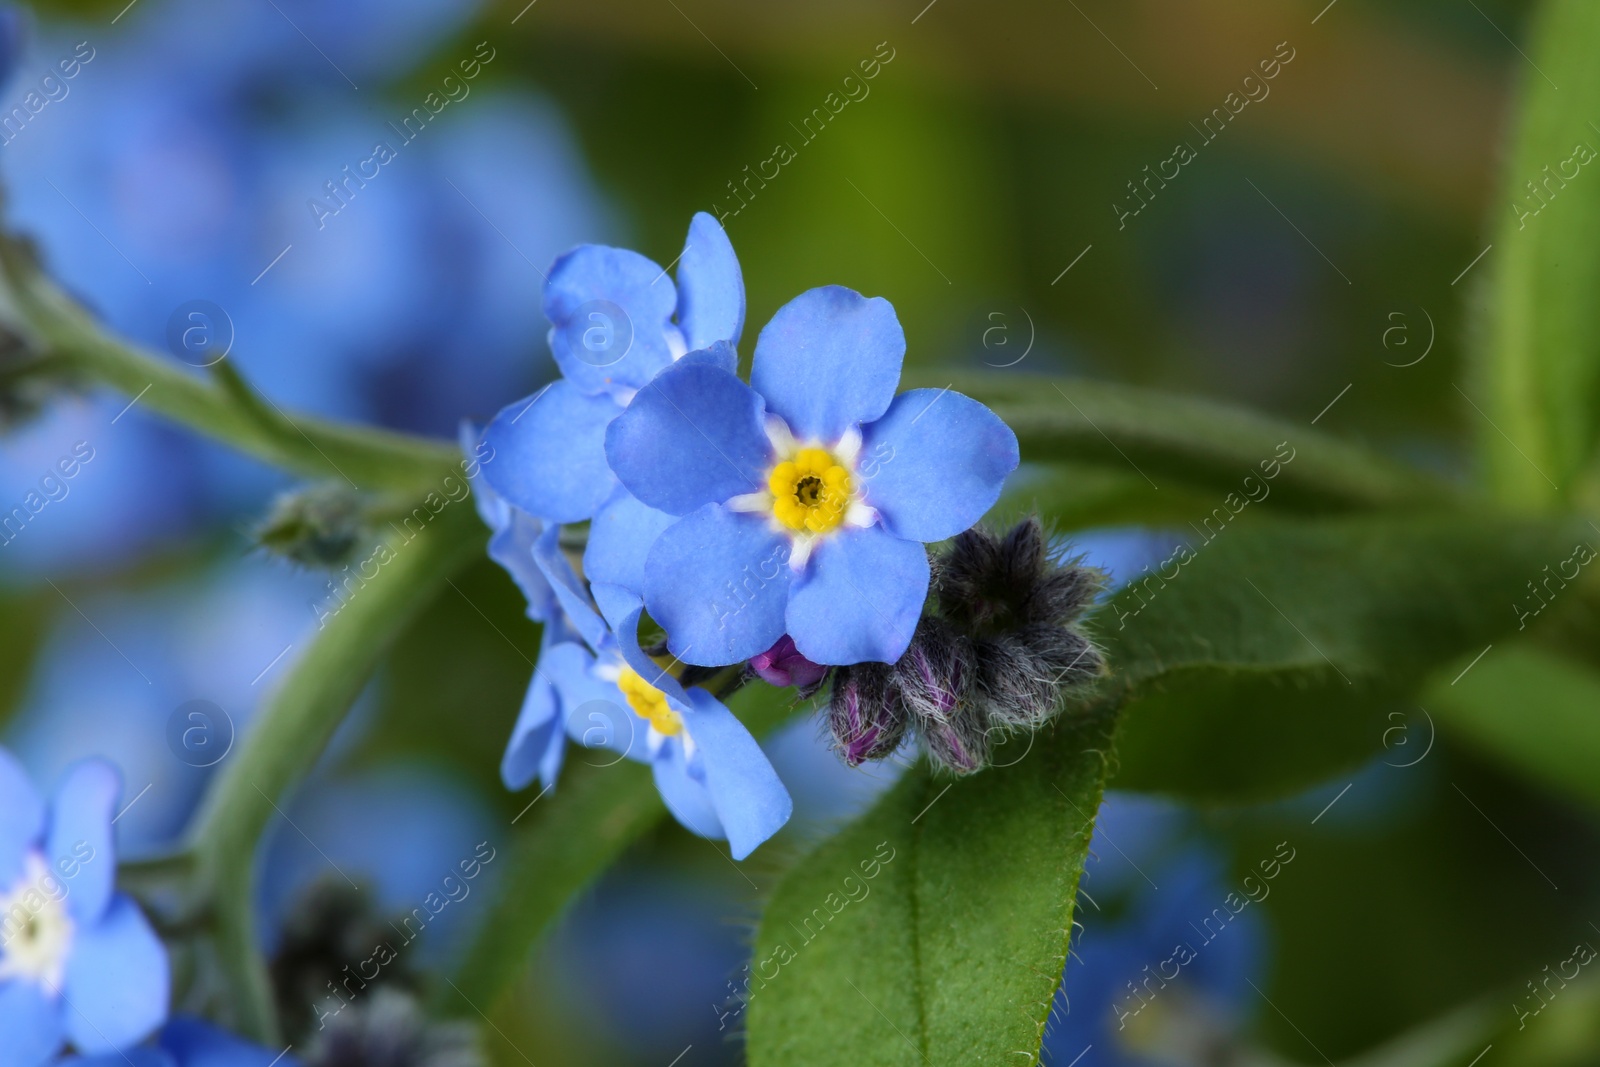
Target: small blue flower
805 497
617 321
594 680
189 1042
78 961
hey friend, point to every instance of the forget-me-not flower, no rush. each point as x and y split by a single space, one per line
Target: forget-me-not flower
78 960
594 683
806 496
617 320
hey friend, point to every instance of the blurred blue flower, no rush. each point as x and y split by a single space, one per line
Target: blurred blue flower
189 1042
616 321
402 831
110 681
1157 976
816 458
78 961
177 162
645 960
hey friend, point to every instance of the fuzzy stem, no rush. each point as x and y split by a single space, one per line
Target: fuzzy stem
69 342
291 731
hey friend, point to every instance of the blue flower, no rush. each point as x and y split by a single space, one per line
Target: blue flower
188 1042
78 961
594 680
805 497
617 321
1155 977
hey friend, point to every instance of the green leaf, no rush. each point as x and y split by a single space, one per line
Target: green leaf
933 930
1531 710
1538 379
1271 658
1174 442
1077 496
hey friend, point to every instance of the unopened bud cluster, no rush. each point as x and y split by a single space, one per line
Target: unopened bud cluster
993 657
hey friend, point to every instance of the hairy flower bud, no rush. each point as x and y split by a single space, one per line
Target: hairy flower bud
961 744
866 715
936 674
316 527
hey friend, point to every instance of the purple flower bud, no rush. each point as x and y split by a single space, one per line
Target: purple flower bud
865 715
936 673
782 665
960 745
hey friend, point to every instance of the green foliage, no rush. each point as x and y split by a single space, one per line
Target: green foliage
1554 734
1539 374
933 930
1272 658
1173 441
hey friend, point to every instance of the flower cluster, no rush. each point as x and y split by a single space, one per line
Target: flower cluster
993 660
771 528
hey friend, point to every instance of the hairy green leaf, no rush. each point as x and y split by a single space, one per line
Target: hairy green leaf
933 930
1538 381
1274 655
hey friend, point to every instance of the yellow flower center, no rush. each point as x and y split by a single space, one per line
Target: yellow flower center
649 703
811 491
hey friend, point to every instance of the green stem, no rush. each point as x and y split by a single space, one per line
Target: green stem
291 731
69 340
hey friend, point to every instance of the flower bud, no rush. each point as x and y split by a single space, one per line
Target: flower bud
782 665
961 744
865 714
316 527
936 673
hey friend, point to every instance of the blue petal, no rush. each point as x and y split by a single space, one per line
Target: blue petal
717 582
610 311
143 1056
860 597
199 1044
549 455
511 546
710 286
620 537
80 835
568 587
21 818
750 800
687 799
30 1023
537 741
485 500
622 609
935 463
719 354
594 712
117 980
828 360
695 436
